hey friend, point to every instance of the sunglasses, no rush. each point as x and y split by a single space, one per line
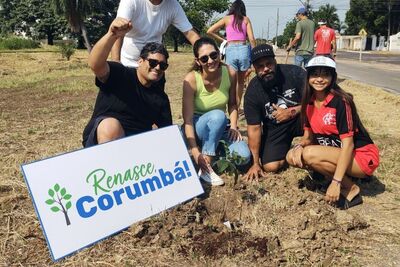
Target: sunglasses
154 62
213 55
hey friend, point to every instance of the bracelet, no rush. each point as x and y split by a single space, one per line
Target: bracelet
337 181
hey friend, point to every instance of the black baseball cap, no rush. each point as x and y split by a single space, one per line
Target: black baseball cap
263 50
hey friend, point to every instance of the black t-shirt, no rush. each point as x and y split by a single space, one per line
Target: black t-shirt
124 98
287 92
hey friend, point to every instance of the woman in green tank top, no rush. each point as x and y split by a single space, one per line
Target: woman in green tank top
209 90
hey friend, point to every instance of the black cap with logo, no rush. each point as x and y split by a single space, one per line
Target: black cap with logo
263 50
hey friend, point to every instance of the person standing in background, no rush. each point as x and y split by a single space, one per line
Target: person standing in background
150 20
325 40
238 30
304 38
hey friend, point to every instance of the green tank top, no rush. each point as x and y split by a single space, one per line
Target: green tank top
205 101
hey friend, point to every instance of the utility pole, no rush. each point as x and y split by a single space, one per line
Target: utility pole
277 25
268 31
389 8
262 33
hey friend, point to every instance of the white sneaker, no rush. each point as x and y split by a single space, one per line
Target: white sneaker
211 178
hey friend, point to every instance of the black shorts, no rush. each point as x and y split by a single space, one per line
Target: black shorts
90 132
275 143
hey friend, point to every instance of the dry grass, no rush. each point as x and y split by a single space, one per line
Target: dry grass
44 104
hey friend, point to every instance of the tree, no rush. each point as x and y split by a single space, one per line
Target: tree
328 13
373 16
34 18
75 11
288 33
100 19
6 6
199 13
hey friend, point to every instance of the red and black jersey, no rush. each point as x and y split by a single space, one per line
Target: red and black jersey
332 122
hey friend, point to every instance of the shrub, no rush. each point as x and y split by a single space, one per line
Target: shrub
15 43
67 50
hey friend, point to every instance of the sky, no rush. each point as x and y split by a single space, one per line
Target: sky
260 11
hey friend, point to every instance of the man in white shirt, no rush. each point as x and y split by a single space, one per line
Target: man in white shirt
150 20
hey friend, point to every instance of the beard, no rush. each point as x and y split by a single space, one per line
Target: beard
268 80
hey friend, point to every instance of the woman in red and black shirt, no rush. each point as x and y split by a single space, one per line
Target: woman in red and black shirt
335 143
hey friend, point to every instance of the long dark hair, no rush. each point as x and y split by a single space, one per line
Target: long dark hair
196 46
238 10
336 90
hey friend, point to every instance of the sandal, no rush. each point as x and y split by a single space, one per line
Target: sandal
344 204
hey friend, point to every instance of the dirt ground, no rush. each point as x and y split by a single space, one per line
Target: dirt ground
283 220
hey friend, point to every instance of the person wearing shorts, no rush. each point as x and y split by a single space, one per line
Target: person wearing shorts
238 30
129 101
335 142
271 108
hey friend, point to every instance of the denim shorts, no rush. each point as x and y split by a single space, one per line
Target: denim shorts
238 56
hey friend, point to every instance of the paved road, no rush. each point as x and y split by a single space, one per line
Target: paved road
371 56
376 68
386 76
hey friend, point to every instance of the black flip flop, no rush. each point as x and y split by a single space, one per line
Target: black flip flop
344 204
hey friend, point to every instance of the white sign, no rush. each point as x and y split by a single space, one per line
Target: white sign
87 195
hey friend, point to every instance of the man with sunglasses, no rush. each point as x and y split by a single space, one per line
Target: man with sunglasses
272 107
128 102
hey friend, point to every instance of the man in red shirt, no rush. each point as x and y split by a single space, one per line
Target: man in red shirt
325 40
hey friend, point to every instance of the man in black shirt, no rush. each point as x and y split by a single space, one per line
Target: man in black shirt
272 107
129 101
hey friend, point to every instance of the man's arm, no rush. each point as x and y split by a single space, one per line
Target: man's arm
116 50
297 37
254 139
334 47
191 35
98 57
285 114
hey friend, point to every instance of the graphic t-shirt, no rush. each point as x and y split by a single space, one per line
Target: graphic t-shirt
286 93
333 122
324 37
149 23
124 98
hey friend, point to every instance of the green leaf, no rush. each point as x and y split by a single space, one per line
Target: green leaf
50 202
68 205
55 209
67 196
222 165
63 191
57 187
51 192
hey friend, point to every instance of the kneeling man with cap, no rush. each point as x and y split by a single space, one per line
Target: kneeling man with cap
272 107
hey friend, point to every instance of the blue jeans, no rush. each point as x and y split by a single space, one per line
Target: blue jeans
211 128
299 60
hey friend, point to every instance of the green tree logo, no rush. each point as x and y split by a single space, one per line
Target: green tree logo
57 196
